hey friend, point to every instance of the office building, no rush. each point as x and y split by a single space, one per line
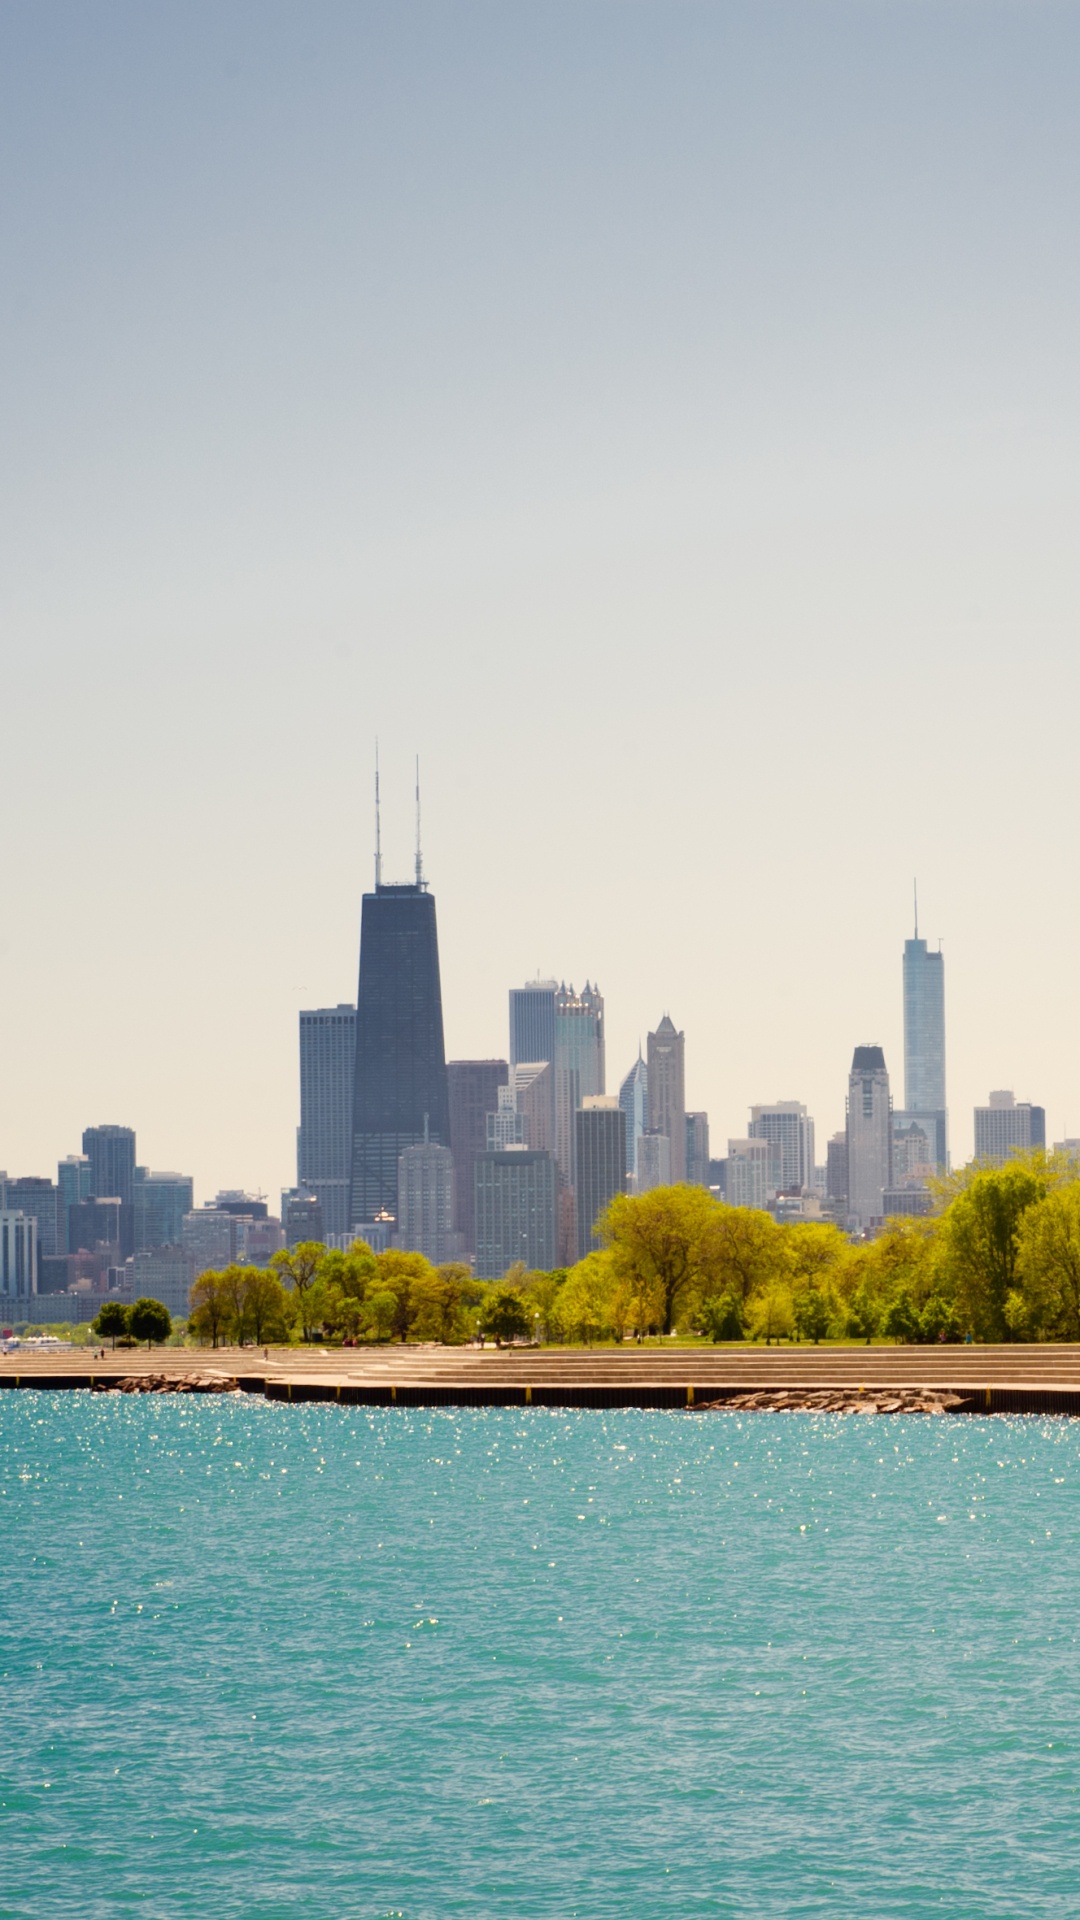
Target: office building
788 1128
747 1180
634 1101
516 1209
1007 1126
579 1063
506 1126
836 1172
324 1137
18 1258
869 1137
600 1157
665 1052
96 1223
653 1162
400 1093
914 1150
40 1198
111 1153
473 1093
301 1217
160 1201
73 1186
532 1021
164 1273
924 1044
208 1236
533 1084
425 1222
697 1149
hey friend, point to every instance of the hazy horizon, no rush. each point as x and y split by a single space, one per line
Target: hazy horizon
662 418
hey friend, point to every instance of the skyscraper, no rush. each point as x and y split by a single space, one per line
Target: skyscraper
748 1173
600 1154
788 1128
697 1149
579 1063
111 1152
1007 1126
160 1200
634 1101
39 1197
667 1091
869 1135
532 1021
73 1182
400 1094
324 1138
924 1043
473 1087
426 1203
515 1211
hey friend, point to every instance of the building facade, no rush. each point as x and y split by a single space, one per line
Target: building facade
869 1137
653 1163
600 1156
747 1179
924 1044
579 1064
18 1258
473 1091
39 1197
400 1095
634 1101
1007 1126
697 1149
788 1128
160 1202
426 1204
516 1211
327 1084
665 1054
111 1153
73 1186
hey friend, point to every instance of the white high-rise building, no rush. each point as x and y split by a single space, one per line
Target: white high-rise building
869 1136
652 1167
634 1101
748 1164
18 1257
788 1128
665 1052
426 1203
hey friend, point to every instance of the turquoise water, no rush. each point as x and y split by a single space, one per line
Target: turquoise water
271 1661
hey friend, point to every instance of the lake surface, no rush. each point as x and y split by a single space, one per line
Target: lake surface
270 1661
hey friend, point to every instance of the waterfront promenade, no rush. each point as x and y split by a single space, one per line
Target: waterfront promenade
1020 1379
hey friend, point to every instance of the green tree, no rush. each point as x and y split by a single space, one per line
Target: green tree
584 1301
980 1234
298 1268
722 1317
772 1315
398 1272
505 1315
743 1252
656 1242
266 1306
234 1287
210 1308
111 1321
542 1290
380 1312
1048 1266
150 1321
901 1321
814 1312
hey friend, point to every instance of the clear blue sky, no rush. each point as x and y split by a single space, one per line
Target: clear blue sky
664 418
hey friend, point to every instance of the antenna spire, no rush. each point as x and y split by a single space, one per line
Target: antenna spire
378 822
915 885
419 859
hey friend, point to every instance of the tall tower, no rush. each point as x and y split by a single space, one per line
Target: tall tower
924 1043
667 1091
634 1101
324 1138
579 1063
400 1090
111 1152
869 1135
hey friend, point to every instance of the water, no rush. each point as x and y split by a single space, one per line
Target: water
269 1661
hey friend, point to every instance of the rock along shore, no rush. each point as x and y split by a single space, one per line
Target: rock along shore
837 1400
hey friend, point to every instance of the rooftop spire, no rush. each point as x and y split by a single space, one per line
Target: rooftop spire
419 859
378 822
915 885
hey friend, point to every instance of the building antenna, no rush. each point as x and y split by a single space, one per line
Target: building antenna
419 859
915 884
378 823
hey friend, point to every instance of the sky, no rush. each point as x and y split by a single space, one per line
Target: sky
662 418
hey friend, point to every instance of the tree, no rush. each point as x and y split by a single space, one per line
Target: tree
722 1318
743 1252
980 1234
234 1284
656 1243
814 1312
542 1290
298 1267
380 1312
773 1317
505 1315
901 1320
583 1308
439 1303
112 1319
266 1306
398 1272
209 1307
150 1321
1048 1265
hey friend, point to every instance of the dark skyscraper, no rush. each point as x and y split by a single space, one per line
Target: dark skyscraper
600 1158
400 1085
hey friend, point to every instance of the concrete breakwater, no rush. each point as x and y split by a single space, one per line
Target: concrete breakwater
1014 1379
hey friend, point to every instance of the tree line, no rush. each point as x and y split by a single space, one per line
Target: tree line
999 1260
